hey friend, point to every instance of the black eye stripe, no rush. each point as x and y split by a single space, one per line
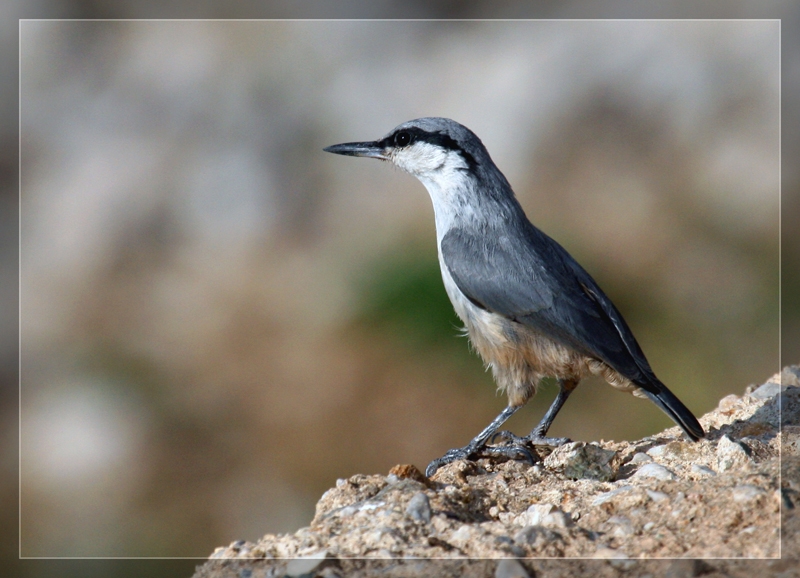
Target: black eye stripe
441 139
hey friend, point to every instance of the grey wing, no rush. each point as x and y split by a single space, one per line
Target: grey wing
495 275
534 281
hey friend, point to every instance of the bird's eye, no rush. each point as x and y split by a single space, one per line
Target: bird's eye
402 138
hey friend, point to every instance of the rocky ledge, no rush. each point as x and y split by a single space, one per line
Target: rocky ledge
658 497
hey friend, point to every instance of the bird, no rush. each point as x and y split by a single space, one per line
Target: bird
529 309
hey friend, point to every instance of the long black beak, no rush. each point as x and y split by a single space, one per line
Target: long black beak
359 149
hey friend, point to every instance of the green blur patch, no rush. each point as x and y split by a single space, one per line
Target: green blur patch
403 299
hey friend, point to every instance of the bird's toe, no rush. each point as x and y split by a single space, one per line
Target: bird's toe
509 437
511 451
538 440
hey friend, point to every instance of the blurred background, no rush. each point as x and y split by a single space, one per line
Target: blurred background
219 319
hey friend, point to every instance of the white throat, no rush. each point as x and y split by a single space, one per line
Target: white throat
448 184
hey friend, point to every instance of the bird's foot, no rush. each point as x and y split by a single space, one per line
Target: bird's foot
511 451
534 439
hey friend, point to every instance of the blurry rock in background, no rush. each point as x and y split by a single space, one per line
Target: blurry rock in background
219 320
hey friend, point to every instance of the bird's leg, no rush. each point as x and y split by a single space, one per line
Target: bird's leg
477 447
537 436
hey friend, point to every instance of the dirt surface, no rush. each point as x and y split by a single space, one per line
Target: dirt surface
607 504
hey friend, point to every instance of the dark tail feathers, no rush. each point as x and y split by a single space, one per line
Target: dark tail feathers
678 412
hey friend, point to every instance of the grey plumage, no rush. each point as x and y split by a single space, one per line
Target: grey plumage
530 309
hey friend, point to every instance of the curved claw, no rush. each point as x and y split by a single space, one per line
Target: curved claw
432 467
449 457
435 465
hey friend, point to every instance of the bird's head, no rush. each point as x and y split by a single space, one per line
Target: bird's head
431 149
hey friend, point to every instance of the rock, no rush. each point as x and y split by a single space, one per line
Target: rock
510 568
419 507
305 564
609 554
746 493
356 489
702 471
408 471
545 515
684 569
499 509
790 406
728 404
535 535
730 454
462 536
606 496
791 440
622 526
790 376
769 389
657 496
579 460
655 471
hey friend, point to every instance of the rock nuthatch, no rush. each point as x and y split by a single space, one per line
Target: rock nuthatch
529 308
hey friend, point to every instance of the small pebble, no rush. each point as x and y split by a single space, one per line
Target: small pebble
606 496
419 507
622 526
641 458
728 403
462 535
657 496
305 564
655 471
579 460
546 515
609 554
510 568
730 454
703 471
746 493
